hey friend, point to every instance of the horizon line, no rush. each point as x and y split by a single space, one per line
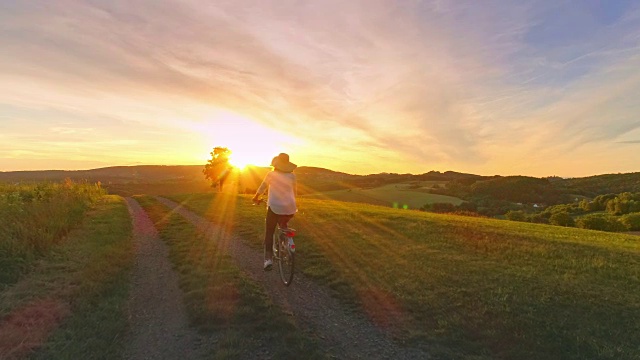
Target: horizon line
319 167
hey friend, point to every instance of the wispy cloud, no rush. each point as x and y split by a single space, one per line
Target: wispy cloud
410 86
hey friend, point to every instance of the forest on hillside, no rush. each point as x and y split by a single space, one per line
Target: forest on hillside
601 184
499 195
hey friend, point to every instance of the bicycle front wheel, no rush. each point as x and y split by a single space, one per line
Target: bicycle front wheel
285 262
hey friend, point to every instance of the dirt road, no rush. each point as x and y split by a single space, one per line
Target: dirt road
342 333
159 326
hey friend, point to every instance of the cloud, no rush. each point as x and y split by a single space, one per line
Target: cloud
236 62
423 84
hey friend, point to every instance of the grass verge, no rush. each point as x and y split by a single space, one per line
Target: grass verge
468 288
35 218
221 299
72 305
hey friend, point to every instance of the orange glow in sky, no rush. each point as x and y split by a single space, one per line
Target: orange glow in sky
251 142
490 87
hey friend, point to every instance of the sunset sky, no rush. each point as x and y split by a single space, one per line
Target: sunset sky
488 87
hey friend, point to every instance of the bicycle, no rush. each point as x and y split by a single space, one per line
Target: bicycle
284 250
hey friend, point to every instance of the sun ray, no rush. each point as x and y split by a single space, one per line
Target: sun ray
249 140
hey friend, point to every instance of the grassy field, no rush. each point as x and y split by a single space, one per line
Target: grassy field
159 187
465 288
72 303
395 195
36 217
220 298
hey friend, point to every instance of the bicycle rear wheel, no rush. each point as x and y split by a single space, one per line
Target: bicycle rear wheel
285 261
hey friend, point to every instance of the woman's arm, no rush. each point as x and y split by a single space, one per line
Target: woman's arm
262 188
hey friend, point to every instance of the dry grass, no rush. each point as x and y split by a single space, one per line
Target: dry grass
35 218
71 304
28 327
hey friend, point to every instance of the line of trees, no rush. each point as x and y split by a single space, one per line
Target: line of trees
610 212
465 208
615 204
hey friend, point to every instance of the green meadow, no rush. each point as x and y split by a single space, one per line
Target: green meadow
461 287
400 195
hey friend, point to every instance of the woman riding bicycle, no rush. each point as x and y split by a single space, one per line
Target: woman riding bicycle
281 205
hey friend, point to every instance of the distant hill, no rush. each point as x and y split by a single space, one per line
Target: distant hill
317 171
110 174
121 179
314 179
602 184
400 195
522 189
126 180
337 180
553 190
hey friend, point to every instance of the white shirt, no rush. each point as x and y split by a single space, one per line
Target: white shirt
282 192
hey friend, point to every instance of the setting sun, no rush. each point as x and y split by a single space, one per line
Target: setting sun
241 160
250 142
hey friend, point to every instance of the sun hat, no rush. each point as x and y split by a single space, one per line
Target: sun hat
282 163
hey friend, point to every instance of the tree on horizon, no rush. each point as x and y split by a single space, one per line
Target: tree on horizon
217 168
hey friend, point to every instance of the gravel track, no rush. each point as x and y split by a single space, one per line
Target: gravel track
159 325
342 333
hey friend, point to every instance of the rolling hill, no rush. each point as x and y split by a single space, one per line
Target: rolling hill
166 179
399 195
602 184
173 179
142 173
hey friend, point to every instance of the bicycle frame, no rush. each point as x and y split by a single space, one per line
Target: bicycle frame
286 235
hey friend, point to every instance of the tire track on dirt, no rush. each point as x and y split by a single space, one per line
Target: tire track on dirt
342 333
159 325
